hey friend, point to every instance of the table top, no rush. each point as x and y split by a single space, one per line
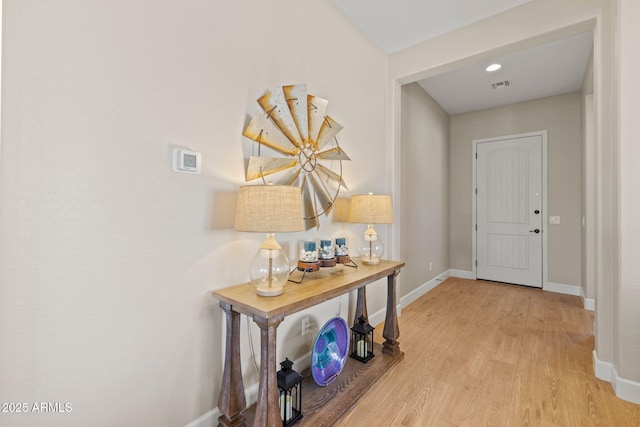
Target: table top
317 287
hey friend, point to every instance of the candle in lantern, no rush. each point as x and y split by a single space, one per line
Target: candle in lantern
362 348
285 407
362 340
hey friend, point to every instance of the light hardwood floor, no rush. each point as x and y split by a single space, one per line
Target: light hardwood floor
489 354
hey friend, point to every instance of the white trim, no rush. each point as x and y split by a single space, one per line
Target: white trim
587 303
561 288
378 317
206 420
462 274
602 369
251 395
423 289
625 389
545 240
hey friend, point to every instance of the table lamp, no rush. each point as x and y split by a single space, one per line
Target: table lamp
371 209
269 209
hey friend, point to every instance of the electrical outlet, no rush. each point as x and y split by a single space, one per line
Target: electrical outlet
306 326
430 266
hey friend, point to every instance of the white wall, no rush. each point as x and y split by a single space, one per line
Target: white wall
107 257
560 116
425 189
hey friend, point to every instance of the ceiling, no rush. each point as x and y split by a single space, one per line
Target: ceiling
549 69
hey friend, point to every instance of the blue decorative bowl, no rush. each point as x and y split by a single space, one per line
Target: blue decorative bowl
330 351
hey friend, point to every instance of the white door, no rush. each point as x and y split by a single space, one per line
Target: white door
509 210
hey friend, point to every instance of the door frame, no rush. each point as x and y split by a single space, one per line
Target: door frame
475 142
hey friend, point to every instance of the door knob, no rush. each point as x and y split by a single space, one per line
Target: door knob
537 230
536 212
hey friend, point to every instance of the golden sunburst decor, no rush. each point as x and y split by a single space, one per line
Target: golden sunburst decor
297 145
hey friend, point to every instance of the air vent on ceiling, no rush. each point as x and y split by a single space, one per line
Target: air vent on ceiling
500 85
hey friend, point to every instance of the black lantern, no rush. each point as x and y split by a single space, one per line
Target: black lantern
290 388
362 340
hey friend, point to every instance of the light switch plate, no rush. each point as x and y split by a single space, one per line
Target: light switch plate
554 220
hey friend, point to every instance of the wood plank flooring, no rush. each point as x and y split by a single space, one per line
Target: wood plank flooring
489 354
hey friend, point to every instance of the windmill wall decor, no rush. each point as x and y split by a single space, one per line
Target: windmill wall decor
297 144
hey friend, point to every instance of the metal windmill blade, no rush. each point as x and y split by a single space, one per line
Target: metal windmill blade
263 166
296 97
274 103
316 111
294 124
263 130
328 131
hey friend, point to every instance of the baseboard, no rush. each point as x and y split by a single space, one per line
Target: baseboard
210 418
379 316
587 303
601 369
206 420
561 288
625 389
462 274
423 289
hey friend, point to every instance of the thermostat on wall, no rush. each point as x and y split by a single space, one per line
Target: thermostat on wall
186 161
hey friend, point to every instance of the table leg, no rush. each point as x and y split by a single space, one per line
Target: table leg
231 401
391 331
361 306
267 408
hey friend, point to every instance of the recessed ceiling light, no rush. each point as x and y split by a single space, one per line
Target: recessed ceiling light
493 67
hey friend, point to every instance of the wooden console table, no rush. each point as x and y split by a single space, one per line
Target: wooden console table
268 312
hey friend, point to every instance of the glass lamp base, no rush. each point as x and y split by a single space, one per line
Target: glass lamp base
269 291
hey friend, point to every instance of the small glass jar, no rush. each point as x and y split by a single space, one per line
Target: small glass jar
308 258
341 247
308 252
326 249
